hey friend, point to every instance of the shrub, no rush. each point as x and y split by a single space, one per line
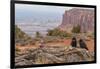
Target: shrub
76 29
19 34
17 49
38 35
58 33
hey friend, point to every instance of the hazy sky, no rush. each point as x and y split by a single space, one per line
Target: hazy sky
41 8
26 11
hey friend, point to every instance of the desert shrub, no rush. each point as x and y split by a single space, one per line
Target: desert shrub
20 35
17 49
58 33
76 29
90 35
51 39
37 39
32 43
37 34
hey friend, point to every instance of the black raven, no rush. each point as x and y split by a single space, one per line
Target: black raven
74 42
82 44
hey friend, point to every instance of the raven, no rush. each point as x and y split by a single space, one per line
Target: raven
74 42
83 44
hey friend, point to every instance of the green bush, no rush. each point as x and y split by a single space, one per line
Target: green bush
17 49
19 34
58 33
76 29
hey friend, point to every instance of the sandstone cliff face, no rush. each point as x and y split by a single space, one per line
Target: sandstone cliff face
82 17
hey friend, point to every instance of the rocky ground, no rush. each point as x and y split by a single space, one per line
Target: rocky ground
51 55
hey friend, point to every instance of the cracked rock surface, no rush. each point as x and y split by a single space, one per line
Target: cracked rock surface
51 55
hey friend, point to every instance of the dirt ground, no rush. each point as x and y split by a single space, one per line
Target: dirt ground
65 42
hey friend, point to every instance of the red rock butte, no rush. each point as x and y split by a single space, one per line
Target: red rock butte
77 16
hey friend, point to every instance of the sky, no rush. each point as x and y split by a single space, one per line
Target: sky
38 12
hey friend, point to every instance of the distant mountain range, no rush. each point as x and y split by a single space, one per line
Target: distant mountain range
76 16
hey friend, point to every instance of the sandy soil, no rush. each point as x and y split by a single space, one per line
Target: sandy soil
66 42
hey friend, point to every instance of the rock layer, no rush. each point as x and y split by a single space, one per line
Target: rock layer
76 16
52 55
